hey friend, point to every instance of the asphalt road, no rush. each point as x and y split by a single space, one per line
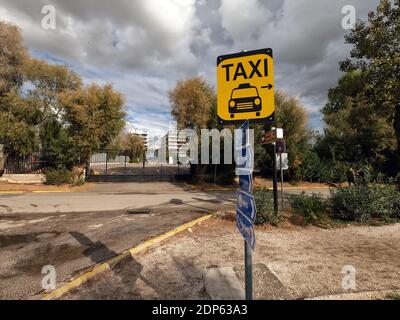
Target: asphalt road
53 234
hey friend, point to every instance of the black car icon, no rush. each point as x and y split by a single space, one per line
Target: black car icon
245 98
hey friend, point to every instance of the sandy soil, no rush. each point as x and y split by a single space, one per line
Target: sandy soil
262 182
307 261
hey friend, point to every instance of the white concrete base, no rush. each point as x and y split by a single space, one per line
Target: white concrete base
23 178
223 284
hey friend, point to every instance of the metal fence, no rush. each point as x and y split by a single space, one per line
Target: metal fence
109 166
34 163
104 165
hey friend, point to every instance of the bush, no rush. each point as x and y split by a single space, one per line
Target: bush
265 208
363 202
59 176
313 169
313 208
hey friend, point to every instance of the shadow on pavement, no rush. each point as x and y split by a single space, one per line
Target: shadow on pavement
96 251
124 274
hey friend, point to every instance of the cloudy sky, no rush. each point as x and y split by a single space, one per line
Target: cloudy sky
144 46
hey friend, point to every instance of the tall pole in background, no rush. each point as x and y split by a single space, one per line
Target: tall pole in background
281 167
267 128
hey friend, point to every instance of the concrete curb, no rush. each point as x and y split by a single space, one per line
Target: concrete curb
79 280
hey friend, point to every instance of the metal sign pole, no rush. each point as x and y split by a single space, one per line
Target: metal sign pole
282 195
248 271
275 181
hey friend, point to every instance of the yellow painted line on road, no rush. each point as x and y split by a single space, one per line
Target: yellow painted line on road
79 280
52 191
12 192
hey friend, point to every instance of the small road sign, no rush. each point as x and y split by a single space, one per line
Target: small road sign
282 159
246 204
246 229
245 86
272 136
246 183
247 163
280 146
244 164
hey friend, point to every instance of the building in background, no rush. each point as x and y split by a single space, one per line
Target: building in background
142 134
170 145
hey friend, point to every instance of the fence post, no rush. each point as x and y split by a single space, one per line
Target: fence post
106 163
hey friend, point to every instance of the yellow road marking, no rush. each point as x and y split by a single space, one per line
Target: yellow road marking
12 192
52 191
79 280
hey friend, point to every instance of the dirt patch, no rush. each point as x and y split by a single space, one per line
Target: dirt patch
48 254
16 240
267 183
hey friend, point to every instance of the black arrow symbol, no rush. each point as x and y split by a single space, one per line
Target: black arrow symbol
269 87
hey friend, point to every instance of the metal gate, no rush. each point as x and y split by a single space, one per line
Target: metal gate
107 165
34 163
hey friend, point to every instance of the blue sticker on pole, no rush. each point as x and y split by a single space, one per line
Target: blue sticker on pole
244 154
246 183
246 205
246 229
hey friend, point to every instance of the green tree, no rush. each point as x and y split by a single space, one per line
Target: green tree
16 116
192 100
57 114
376 54
129 144
92 116
13 54
48 81
134 146
193 104
355 134
293 118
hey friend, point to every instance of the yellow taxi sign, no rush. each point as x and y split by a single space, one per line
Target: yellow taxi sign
245 86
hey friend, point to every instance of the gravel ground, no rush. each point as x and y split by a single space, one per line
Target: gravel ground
307 261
